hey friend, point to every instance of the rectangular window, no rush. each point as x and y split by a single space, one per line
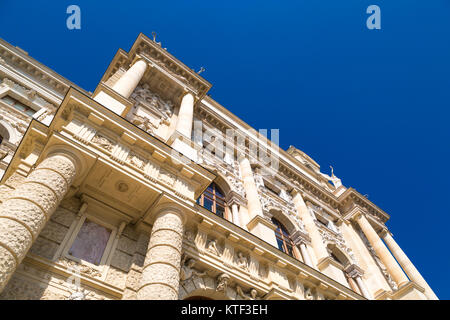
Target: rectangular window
90 243
18 105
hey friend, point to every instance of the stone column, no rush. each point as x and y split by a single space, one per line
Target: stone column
251 191
305 254
27 209
161 272
383 253
130 79
362 287
185 115
235 212
407 265
300 240
316 238
355 272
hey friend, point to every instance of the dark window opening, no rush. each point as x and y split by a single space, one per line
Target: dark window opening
213 199
284 241
18 105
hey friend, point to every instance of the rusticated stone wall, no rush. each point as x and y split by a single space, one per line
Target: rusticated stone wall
27 209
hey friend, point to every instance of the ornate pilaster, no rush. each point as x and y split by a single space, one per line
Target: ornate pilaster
310 226
27 209
251 191
161 272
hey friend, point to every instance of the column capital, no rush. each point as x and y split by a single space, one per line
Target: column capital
354 271
299 237
297 191
170 208
385 232
235 198
138 57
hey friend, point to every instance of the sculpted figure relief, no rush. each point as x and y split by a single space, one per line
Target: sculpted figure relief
309 294
212 247
187 270
222 282
242 261
102 142
189 235
252 296
77 294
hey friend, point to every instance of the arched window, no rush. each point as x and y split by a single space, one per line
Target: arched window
339 257
284 241
213 199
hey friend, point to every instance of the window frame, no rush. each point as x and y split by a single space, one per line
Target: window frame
285 237
206 193
12 96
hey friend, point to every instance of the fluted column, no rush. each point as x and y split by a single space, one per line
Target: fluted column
251 191
185 115
316 238
128 82
27 209
407 265
383 253
161 272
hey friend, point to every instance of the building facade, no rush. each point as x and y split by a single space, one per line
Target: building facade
149 189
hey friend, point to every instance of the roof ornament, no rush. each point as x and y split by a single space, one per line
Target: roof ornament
154 40
201 70
335 180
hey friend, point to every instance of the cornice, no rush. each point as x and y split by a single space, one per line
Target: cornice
351 195
21 60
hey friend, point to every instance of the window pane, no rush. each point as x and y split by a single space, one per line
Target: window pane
280 244
19 107
8 100
220 211
208 204
90 242
30 112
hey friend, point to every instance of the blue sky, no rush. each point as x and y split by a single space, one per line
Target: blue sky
372 103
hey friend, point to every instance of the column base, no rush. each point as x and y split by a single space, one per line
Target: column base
332 269
112 100
409 291
263 229
183 145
